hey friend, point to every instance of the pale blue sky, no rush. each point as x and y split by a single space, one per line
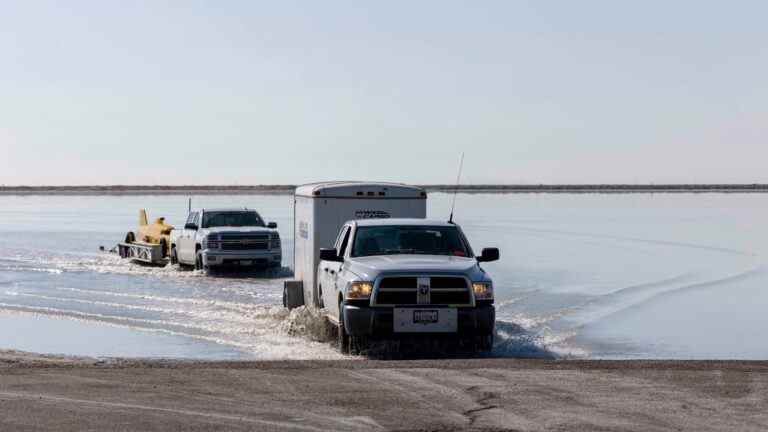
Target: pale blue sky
246 92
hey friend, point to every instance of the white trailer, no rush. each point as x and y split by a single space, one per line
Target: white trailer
321 209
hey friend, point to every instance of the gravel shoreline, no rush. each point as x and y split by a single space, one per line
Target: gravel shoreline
41 392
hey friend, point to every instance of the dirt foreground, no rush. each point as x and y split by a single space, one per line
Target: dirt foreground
50 393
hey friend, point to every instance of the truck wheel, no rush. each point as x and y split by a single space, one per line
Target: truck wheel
343 337
199 262
485 343
130 237
174 256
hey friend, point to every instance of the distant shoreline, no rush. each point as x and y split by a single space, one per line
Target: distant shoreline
288 189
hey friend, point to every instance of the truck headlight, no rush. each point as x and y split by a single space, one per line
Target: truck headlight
359 291
483 290
211 243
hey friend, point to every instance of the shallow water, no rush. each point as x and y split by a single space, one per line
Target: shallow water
584 275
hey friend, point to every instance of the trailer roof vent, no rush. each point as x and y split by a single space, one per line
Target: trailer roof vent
359 190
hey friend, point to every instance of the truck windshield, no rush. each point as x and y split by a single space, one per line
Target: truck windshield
231 219
408 239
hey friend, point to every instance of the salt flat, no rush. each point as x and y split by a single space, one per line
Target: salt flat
599 276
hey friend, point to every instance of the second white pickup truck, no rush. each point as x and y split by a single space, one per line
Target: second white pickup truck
226 237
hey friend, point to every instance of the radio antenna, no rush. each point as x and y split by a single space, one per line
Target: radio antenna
456 189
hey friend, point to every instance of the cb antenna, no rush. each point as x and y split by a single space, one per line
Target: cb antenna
456 189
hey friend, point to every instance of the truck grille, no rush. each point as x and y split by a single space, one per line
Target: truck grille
244 242
444 290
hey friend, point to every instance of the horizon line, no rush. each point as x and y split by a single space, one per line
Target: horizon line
118 189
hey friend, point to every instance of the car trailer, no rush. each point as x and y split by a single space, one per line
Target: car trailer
321 209
145 252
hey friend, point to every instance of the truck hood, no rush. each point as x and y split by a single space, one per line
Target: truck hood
371 267
217 230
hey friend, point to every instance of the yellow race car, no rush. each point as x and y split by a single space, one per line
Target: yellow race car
157 233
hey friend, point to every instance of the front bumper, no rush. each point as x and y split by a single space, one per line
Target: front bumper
216 258
378 321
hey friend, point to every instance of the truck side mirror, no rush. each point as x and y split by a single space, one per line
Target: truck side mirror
190 226
330 255
488 255
272 225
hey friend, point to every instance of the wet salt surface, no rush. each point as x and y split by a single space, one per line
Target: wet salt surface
42 333
604 276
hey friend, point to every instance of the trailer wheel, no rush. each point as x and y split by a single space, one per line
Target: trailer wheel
343 337
293 294
164 248
320 302
130 237
357 345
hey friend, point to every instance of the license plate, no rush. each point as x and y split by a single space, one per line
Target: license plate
413 320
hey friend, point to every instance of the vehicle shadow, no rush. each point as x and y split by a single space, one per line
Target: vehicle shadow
246 273
511 341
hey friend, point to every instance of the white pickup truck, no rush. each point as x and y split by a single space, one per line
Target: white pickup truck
393 278
226 237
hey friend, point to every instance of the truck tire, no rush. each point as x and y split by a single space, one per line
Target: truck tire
174 256
199 263
485 343
130 237
343 337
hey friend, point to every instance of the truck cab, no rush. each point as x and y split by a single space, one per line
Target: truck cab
214 238
387 278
